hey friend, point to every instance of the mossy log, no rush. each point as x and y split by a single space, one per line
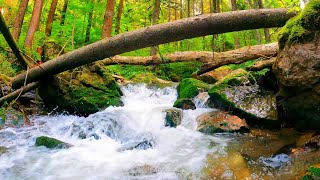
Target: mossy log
197 26
262 65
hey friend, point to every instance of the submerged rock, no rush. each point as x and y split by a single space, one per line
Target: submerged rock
140 141
81 91
184 104
219 121
3 150
297 68
51 143
142 170
173 117
249 102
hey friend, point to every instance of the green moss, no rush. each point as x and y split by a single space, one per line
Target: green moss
51 143
150 79
220 98
315 171
303 27
184 103
242 65
235 78
189 88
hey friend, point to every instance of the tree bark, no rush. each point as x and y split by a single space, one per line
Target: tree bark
155 20
262 64
34 24
240 55
229 57
87 39
108 17
119 14
19 19
64 12
158 34
15 49
51 16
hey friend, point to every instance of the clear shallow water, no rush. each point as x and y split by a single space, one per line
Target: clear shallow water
103 142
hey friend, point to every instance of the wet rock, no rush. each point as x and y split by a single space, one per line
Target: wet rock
297 68
184 104
215 75
256 105
190 88
173 117
313 173
232 166
51 143
3 150
235 78
82 92
219 121
142 170
275 161
140 141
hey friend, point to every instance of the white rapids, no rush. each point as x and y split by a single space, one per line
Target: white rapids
104 143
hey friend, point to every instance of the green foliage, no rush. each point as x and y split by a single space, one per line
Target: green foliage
6 68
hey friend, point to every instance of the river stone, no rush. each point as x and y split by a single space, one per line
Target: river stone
173 117
184 104
81 91
51 143
256 105
142 170
215 75
219 121
297 68
3 150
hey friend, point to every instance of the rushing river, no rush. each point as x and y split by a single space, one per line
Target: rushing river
130 142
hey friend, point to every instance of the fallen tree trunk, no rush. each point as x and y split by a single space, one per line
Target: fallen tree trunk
158 34
13 95
262 64
240 55
11 42
222 58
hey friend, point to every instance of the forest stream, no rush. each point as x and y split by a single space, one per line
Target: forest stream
132 142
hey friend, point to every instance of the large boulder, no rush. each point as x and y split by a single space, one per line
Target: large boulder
215 75
81 91
297 68
219 121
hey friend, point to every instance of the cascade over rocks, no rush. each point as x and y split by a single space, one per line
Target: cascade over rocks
81 91
297 68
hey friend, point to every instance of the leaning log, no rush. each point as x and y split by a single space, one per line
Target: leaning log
15 94
220 58
241 55
158 34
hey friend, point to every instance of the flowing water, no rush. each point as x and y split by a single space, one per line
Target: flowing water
129 142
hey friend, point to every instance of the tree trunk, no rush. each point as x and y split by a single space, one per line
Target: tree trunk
258 35
51 16
155 35
236 37
262 64
87 39
155 20
15 49
266 30
240 55
222 58
119 14
34 24
169 11
64 12
108 17
19 19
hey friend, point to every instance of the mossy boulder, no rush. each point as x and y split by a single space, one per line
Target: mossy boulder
256 105
313 173
51 143
219 121
190 88
150 79
81 91
215 75
173 117
184 103
297 68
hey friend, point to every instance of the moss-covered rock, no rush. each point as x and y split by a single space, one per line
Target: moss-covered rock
190 88
235 78
256 105
215 75
303 28
3 150
184 104
312 173
173 117
150 79
219 121
81 91
51 143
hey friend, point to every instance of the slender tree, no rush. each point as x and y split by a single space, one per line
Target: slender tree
155 20
258 35
119 14
64 12
108 17
266 30
19 19
87 39
236 37
34 24
51 16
